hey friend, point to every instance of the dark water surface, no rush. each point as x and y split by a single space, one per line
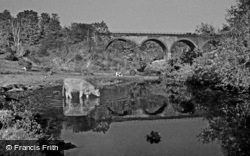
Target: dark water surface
129 138
117 122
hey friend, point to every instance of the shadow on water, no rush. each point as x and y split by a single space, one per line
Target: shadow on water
147 119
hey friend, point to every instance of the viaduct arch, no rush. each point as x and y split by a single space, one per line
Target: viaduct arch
210 41
158 41
166 41
188 42
114 40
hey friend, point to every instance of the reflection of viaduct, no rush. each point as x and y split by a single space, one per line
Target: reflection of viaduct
166 41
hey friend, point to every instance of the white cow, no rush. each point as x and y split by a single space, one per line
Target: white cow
78 85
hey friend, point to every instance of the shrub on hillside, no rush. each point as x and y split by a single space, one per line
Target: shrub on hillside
42 52
21 126
157 67
78 57
189 56
203 72
224 68
53 46
10 57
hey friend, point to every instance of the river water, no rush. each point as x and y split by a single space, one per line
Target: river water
121 120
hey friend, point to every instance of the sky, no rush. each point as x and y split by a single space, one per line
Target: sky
161 16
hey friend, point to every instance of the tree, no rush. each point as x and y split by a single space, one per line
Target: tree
54 27
206 29
226 110
235 54
78 32
5 29
50 33
101 27
16 34
101 32
237 13
43 23
231 63
20 30
228 118
28 23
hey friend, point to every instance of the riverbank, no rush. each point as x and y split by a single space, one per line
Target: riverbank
11 73
36 80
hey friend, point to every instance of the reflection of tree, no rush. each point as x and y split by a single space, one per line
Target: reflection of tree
228 117
85 123
138 90
181 99
79 123
102 127
187 106
53 128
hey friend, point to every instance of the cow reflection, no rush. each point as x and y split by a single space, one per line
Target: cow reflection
79 109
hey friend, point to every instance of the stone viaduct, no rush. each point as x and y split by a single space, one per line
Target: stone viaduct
166 41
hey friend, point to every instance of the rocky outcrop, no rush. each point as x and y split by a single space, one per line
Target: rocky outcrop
156 67
9 88
14 87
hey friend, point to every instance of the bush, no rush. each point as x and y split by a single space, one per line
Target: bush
10 57
21 126
78 57
42 52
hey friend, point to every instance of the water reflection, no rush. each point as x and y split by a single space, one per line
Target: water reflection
131 101
99 119
79 109
78 124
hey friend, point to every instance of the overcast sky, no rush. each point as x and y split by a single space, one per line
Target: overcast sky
130 15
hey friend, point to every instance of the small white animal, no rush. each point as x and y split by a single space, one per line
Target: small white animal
24 68
78 85
26 65
118 74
